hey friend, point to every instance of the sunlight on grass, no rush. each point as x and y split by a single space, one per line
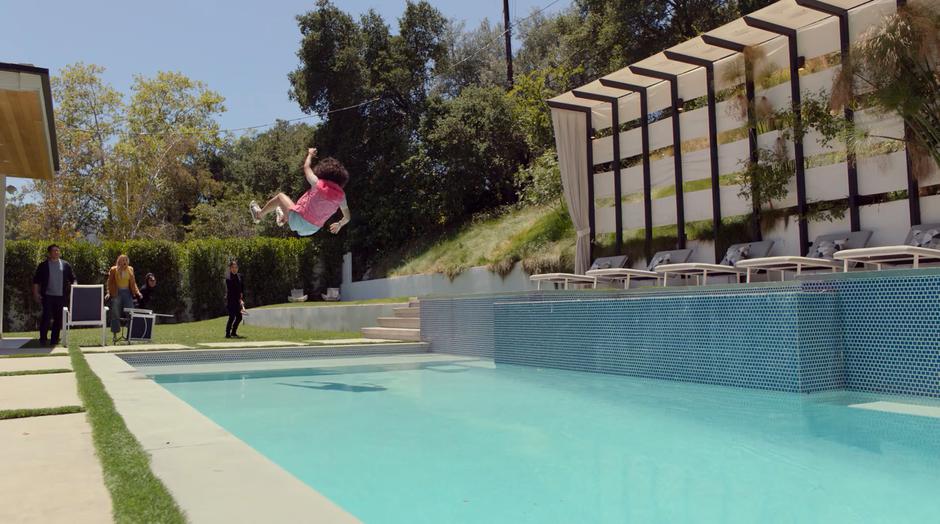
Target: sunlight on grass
192 333
539 237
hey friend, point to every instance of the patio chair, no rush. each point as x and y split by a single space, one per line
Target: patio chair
86 309
331 295
297 295
820 255
701 270
676 256
922 243
566 279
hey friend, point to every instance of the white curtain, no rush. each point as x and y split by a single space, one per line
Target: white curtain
571 143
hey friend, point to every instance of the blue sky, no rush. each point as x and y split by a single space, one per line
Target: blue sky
240 48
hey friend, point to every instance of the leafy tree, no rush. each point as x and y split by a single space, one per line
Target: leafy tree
479 147
170 125
476 58
89 115
228 218
345 63
529 107
268 161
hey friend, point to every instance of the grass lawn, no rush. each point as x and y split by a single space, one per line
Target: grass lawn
137 495
7 414
541 237
393 300
191 333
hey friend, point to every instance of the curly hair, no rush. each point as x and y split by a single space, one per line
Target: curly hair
331 169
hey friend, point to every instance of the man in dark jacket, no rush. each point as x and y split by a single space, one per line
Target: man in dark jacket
234 300
51 285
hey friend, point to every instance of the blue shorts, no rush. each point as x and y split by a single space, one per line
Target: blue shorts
300 225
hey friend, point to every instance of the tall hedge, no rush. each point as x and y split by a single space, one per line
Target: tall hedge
190 275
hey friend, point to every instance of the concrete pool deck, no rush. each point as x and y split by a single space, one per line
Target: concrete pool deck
51 472
49 464
214 476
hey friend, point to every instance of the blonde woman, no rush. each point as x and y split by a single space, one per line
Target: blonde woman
122 288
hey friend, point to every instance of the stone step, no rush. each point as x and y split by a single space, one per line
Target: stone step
408 312
392 333
413 302
400 322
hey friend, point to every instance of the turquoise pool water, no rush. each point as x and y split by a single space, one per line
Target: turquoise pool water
466 442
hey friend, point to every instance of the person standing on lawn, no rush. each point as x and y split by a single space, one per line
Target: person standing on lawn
51 284
234 300
122 289
146 291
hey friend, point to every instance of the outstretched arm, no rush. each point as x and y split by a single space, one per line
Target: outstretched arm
336 226
308 171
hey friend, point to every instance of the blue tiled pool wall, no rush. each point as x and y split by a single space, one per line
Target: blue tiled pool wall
745 340
891 333
863 332
464 325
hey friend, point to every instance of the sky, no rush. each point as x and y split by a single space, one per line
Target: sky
242 49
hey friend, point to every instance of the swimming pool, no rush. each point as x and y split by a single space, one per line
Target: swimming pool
463 440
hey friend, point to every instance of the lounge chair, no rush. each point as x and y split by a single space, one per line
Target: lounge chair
297 295
331 295
86 309
565 279
625 275
701 270
820 255
922 243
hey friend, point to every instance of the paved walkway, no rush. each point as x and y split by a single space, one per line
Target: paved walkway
50 471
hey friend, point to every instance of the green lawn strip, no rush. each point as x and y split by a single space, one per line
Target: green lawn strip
7 414
192 333
33 372
30 355
137 495
392 300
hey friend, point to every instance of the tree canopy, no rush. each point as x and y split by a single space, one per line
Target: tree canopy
422 116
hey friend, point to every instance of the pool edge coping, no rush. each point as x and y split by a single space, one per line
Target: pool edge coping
213 475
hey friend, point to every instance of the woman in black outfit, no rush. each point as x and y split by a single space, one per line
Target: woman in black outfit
146 291
234 300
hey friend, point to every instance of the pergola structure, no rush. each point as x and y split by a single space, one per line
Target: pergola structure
28 146
655 145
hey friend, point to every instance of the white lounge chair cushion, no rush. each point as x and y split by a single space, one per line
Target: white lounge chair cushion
788 261
887 253
561 277
621 273
697 268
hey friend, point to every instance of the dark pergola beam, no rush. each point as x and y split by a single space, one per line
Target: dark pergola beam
749 93
913 188
615 125
677 144
645 143
590 161
851 159
709 67
796 102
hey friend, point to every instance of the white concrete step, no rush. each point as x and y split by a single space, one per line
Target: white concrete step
414 302
400 322
408 312
392 333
